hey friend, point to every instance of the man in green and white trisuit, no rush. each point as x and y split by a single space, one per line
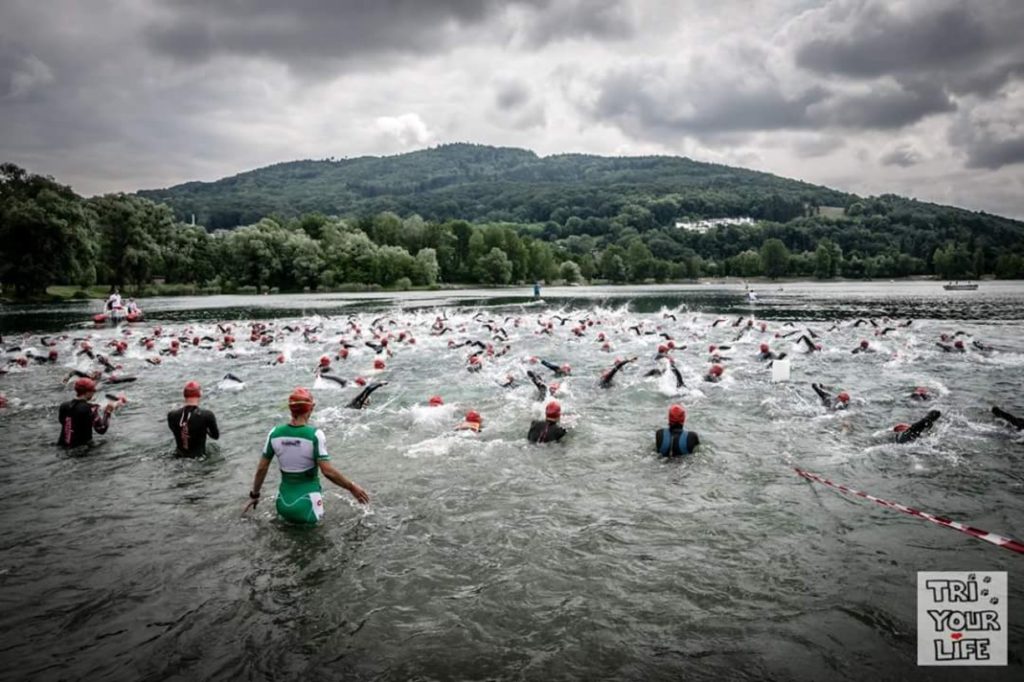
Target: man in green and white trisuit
301 452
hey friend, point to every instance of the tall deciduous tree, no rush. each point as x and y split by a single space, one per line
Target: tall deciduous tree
46 236
774 258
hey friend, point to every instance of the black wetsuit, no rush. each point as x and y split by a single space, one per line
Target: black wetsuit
1015 421
676 446
78 418
191 425
542 389
559 372
826 398
607 377
918 428
545 432
359 402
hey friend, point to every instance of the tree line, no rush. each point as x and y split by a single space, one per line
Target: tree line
50 235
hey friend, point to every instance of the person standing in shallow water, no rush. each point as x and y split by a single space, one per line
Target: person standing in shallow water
301 452
79 418
191 424
675 440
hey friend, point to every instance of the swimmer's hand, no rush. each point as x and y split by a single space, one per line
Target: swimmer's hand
251 504
357 492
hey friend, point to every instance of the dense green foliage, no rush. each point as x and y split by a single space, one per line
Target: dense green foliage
491 216
580 193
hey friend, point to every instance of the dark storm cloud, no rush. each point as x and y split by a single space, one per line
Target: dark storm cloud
307 34
969 47
903 156
601 19
989 140
516 107
883 108
304 31
511 95
649 100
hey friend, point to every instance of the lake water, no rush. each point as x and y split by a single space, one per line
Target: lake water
485 557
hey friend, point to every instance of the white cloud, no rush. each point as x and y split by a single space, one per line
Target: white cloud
408 130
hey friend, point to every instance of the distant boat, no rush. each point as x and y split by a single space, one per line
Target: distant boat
958 286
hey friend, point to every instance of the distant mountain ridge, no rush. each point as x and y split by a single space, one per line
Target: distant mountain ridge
483 183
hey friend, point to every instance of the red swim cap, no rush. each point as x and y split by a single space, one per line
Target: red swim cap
566 369
900 428
864 343
436 400
958 344
474 360
843 397
360 381
764 347
192 390
175 343
671 344
280 358
300 401
764 326
662 349
712 348
553 388
474 416
325 361
553 411
52 355
606 346
343 353
716 370
920 390
378 364
85 385
676 414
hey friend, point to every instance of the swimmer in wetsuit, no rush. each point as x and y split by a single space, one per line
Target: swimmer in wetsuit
863 348
767 354
840 402
78 417
811 346
473 422
609 374
906 433
301 452
1017 422
560 371
675 440
542 389
714 374
548 430
361 400
191 424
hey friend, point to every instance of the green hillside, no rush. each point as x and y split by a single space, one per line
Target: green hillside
481 183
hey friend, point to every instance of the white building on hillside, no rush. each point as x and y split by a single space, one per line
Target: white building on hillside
706 224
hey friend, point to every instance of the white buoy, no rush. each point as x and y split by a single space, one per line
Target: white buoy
780 370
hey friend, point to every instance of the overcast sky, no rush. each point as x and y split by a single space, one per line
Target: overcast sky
920 97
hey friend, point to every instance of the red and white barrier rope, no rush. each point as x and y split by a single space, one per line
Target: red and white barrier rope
1008 543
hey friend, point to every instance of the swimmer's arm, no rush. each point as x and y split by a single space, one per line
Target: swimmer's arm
212 429
257 483
339 479
101 418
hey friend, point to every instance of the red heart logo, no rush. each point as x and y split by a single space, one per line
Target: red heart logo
957 635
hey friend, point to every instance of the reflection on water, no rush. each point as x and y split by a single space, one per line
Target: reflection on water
484 557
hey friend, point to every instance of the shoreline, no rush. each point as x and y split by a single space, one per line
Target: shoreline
64 293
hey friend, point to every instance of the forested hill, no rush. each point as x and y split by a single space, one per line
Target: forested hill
481 183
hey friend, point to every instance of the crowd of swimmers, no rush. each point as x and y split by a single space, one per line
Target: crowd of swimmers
301 450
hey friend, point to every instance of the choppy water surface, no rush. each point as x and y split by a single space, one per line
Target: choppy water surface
482 557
